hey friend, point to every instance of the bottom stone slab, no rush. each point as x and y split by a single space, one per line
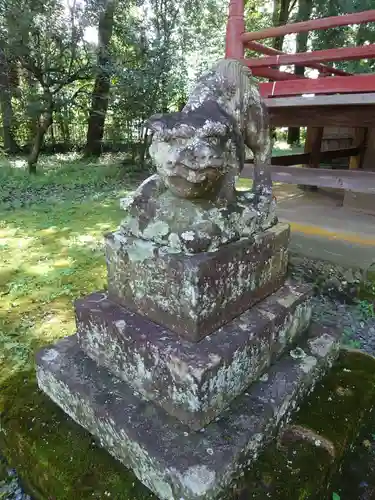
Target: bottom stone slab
165 455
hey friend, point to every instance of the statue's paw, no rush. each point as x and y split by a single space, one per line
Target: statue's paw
139 198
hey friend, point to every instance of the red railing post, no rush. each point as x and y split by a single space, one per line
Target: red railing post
234 47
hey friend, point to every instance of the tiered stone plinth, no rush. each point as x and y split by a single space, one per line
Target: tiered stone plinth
189 364
169 458
192 381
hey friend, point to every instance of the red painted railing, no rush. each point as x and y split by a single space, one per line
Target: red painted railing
285 83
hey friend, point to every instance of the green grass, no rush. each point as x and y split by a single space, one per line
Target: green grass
51 252
51 234
282 148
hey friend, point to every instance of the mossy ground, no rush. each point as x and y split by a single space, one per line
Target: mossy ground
51 233
55 458
302 468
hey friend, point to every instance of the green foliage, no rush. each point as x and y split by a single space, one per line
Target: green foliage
156 50
62 178
367 290
347 339
344 36
366 309
45 42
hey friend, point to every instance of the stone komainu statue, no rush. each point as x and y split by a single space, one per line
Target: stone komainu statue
224 111
191 204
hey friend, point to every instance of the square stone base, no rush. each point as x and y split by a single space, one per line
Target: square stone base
192 381
193 295
170 459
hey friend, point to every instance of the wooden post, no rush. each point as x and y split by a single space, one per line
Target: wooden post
313 144
362 202
360 139
234 47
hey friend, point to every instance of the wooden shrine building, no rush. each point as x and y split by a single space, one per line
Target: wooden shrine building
334 100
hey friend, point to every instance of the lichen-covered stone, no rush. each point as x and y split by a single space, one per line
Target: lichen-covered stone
191 205
192 381
193 295
304 462
156 215
165 455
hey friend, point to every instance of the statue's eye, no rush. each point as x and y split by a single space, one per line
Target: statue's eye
214 139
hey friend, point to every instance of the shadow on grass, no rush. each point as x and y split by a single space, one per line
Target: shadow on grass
64 178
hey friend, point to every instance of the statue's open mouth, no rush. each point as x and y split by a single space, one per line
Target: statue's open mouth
189 189
197 176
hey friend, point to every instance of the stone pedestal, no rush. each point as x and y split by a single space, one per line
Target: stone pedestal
167 456
193 295
190 363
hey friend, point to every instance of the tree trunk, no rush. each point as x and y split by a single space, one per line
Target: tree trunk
143 153
100 94
304 14
280 16
293 137
63 129
44 124
10 144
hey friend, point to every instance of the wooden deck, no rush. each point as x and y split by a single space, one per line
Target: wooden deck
351 180
340 110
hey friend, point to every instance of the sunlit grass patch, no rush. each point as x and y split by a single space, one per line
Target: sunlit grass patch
50 255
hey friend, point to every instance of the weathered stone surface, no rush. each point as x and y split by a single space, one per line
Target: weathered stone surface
156 215
199 151
191 204
169 459
192 381
193 295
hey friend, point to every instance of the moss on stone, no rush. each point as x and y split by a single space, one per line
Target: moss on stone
300 464
56 458
292 471
3 469
338 406
367 285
